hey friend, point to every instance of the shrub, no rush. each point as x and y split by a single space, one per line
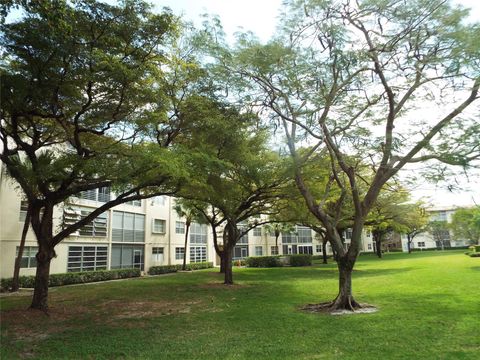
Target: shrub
475 254
300 260
74 278
263 261
476 248
165 269
199 265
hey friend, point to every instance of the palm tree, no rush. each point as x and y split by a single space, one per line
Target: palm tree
190 214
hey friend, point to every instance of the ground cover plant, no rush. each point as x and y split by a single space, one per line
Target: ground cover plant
428 309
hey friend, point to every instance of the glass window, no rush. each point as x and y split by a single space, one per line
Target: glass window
101 194
128 227
304 234
29 259
134 202
179 227
289 238
274 250
127 256
198 233
243 239
96 227
23 210
318 248
198 254
159 226
257 231
157 254
302 249
159 200
258 251
179 251
421 244
369 246
87 258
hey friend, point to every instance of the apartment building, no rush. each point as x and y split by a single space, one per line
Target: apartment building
427 240
139 234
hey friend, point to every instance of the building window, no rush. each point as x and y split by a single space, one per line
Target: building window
96 227
102 194
274 250
240 252
28 257
179 251
318 248
198 254
159 200
289 238
198 233
302 249
179 227
86 258
258 251
23 210
369 233
348 234
244 238
157 254
304 234
257 231
134 203
127 256
421 244
128 227
369 246
159 226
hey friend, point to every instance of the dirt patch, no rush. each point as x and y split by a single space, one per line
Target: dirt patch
218 285
326 308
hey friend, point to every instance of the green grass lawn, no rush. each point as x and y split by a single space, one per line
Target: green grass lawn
429 308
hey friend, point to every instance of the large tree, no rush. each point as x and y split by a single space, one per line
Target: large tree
90 98
382 82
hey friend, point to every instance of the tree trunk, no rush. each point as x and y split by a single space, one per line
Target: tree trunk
18 260
409 243
222 262
324 252
228 267
378 247
345 300
40 293
184 266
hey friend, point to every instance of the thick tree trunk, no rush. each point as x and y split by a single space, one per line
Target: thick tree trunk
40 293
324 252
18 260
228 267
345 300
409 243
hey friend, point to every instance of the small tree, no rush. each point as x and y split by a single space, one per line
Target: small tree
190 213
440 233
466 224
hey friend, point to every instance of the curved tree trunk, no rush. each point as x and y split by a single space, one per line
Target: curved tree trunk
40 293
18 260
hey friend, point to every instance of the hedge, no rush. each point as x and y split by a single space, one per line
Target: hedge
73 278
475 254
239 262
165 269
263 261
301 260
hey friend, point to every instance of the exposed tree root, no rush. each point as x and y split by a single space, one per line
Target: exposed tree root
339 306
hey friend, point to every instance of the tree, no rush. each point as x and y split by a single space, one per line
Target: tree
350 77
190 213
277 228
466 224
440 233
415 222
84 95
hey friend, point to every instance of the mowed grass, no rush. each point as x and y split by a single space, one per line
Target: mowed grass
429 308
